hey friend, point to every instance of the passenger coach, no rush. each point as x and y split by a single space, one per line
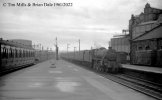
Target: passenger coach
14 55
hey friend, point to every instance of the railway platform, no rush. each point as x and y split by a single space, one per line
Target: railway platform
153 74
143 68
61 80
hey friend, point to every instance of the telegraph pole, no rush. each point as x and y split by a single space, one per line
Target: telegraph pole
56 49
40 47
67 50
110 43
79 46
74 52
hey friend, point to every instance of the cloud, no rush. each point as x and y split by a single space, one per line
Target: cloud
90 21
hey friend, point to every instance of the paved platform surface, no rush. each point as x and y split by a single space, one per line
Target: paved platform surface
60 80
144 68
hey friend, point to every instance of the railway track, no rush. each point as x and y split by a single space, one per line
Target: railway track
146 87
138 85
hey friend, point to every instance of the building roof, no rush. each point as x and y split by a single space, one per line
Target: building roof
149 22
152 34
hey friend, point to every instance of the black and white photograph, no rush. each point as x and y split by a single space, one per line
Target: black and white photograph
81 50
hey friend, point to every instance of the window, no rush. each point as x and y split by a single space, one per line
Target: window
13 53
161 47
7 53
32 53
16 53
4 52
10 53
147 47
139 48
1 51
27 53
23 53
20 53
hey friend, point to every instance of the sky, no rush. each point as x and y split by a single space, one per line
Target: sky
94 22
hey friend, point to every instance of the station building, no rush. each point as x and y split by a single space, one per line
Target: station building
121 44
146 35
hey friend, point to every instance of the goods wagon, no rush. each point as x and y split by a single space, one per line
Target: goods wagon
99 59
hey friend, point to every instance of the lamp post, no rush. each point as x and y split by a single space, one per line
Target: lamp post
56 49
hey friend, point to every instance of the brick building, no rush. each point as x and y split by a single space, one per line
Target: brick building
145 33
121 44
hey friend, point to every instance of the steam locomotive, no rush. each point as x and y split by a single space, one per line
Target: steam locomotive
99 59
105 60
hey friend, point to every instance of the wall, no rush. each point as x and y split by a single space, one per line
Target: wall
121 44
145 21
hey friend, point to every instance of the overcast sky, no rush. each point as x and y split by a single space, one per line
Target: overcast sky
91 21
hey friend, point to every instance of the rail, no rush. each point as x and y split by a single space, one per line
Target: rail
146 87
